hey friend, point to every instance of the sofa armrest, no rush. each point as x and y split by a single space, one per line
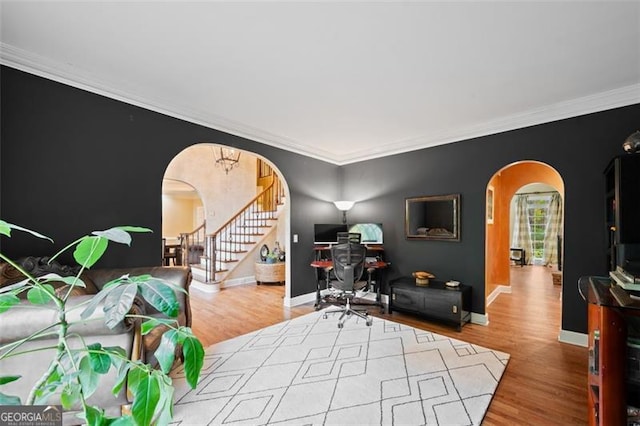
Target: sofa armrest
25 319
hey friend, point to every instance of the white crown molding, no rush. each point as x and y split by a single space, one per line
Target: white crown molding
69 75
620 97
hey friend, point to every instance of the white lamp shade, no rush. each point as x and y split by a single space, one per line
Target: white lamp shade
344 205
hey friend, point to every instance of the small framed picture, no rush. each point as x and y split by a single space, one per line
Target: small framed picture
490 205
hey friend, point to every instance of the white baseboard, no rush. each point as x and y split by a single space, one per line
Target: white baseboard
299 300
497 292
205 288
238 281
573 338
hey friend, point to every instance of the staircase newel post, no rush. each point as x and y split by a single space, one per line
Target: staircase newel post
184 248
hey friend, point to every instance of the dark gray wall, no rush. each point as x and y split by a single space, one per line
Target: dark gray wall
578 148
72 162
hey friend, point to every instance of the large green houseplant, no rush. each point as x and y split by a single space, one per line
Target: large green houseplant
74 372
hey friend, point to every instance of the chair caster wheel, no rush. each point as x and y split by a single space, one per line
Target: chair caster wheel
324 316
369 322
340 325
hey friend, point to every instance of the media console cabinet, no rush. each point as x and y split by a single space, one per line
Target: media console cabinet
435 300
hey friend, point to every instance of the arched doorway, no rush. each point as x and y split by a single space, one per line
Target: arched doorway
501 189
223 193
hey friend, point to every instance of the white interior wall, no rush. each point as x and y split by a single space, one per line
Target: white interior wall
222 194
178 216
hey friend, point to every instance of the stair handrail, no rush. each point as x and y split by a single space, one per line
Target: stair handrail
189 239
221 239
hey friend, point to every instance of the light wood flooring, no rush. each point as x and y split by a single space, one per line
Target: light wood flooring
545 381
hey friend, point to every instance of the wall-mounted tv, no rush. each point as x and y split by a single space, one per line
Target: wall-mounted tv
370 233
327 233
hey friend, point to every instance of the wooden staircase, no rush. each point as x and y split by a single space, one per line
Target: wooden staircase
213 256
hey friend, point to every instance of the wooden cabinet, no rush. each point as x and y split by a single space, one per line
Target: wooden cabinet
436 301
610 385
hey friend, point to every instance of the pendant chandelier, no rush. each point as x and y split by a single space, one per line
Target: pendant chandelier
225 157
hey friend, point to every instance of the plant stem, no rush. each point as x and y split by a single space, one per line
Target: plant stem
60 349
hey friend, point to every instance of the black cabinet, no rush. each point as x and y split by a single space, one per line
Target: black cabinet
434 301
622 180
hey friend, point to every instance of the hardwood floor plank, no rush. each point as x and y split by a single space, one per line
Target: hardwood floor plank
545 381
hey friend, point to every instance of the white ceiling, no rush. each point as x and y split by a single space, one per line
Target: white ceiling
339 81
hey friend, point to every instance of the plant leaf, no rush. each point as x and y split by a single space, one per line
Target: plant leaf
100 361
116 353
95 301
8 379
89 250
41 295
137 372
152 323
123 421
193 354
16 286
94 416
54 381
165 405
120 234
166 352
145 399
160 296
118 304
70 395
71 280
7 301
6 227
9 399
89 379
123 369
138 229
116 235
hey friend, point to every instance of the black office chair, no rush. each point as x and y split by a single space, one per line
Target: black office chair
349 237
348 267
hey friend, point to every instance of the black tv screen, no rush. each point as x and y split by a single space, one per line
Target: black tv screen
370 233
327 233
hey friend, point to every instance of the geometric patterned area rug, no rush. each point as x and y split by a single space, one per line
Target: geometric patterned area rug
308 371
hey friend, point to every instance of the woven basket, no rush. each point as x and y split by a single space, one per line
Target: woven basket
269 272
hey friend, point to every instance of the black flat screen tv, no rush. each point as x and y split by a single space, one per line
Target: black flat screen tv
327 233
370 233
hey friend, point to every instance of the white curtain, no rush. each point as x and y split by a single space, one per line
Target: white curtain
521 233
553 229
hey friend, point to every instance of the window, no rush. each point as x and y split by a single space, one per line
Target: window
538 209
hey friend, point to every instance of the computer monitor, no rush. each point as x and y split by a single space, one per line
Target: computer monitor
327 233
371 233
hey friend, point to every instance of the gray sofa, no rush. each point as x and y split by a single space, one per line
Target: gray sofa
24 319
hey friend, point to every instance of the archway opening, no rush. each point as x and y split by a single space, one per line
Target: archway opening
503 187
222 194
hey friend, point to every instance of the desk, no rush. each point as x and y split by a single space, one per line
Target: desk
319 265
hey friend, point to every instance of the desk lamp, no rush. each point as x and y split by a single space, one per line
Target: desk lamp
344 206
